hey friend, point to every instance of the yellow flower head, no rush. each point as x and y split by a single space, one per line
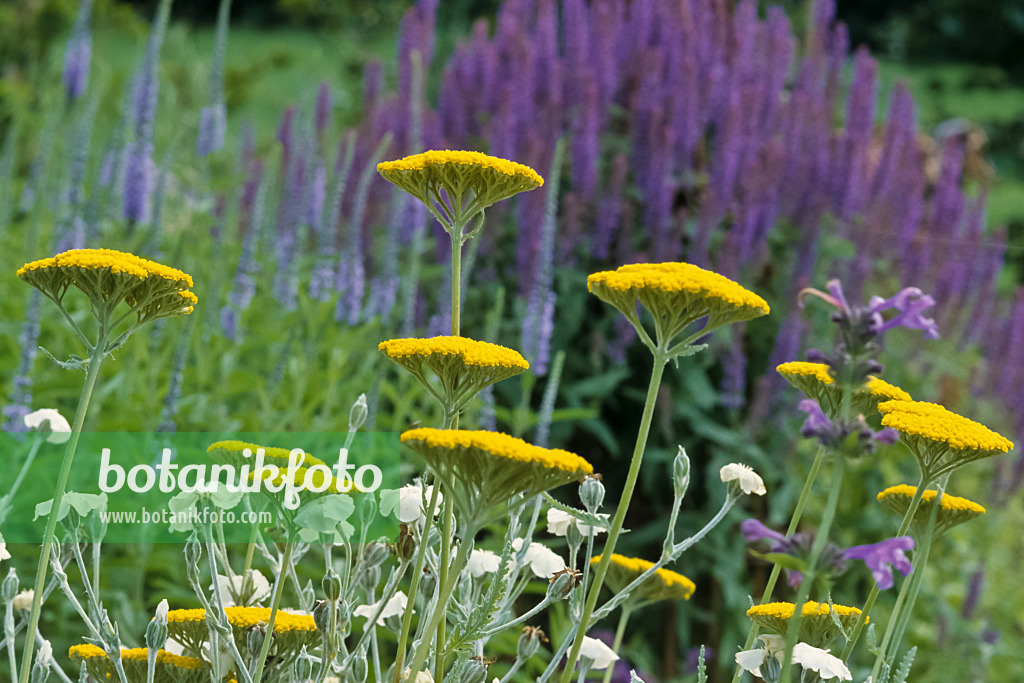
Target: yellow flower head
664 584
471 181
816 626
463 366
484 469
291 631
941 440
676 294
108 277
233 453
815 381
953 510
170 668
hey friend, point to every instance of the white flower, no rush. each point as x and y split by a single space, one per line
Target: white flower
4 555
421 677
748 480
482 562
394 607
60 430
600 655
409 501
161 610
814 659
23 600
751 660
542 561
231 589
45 654
559 522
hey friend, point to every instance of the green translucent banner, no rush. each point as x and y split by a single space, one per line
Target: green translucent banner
144 487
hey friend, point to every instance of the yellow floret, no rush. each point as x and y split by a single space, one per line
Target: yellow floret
818 371
671 581
936 423
951 503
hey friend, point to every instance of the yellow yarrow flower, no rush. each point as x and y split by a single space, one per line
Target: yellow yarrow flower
676 294
232 452
291 631
953 510
470 181
484 469
941 440
108 277
816 626
815 381
170 668
664 584
463 366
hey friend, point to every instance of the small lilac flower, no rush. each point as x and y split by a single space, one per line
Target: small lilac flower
817 423
909 303
753 530
878 557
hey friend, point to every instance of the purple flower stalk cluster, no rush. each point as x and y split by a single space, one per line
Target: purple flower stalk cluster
880 558
78 54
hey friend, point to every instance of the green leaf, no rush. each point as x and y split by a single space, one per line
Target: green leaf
783 560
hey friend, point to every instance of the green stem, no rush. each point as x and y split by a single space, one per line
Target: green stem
274 604
777 569
9 496
91 376
660 359
620 631
865 611
441 606
908 594
820 538
442 576
457 281
414 583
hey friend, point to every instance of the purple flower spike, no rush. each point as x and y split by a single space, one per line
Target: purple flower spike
878 557
909 303
887 436
754 530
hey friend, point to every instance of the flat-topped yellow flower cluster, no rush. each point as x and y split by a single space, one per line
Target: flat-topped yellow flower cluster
952 503
678 277
500 446
469 351
935 423
664 584
817 628
442 157
115 261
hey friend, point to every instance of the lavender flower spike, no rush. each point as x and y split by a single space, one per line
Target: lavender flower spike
78 54
878 557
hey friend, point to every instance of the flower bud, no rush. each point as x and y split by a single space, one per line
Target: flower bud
303 667
97 527
254 639
771 668
375 554
322 616
156 631
41 668
331 584
592 493
193 554
563 583
9 588
428 582
472 670
573 535
529 642
359 669
680 473
23 600
405 545
357 415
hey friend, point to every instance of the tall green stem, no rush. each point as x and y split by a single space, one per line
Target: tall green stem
275 603
660 359
793 627
873 595
620 631
777 569
91 376
908 594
